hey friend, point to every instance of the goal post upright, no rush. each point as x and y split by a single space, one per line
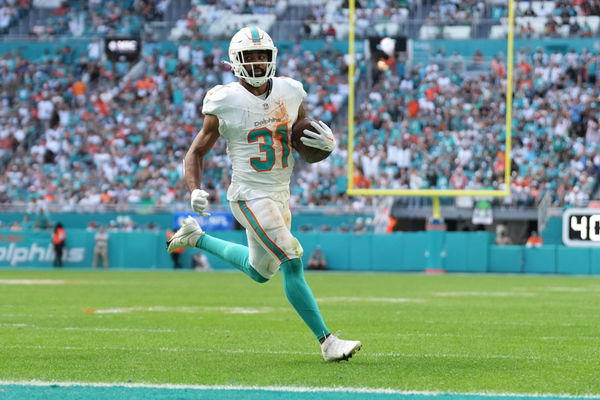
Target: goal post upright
351 67
352 191
435 226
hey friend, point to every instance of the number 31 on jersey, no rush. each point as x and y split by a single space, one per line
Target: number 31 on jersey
266 138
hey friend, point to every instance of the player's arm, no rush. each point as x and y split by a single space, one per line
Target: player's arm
301 112
193 163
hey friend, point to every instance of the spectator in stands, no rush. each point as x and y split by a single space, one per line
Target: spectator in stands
527 30
200 262
478 58
42 222
26 222
59 238
534 240
359 226
529 12
458 179
502 237
317 260
100 247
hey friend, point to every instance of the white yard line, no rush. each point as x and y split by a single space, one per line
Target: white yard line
484 294
369 299
439 335
295 389
567 289
226 310
151 330
84 329
38 282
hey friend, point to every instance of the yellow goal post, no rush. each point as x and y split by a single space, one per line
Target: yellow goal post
435 193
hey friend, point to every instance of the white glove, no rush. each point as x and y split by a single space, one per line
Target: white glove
199 201
323 140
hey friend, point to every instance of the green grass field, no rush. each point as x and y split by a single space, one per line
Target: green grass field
449 333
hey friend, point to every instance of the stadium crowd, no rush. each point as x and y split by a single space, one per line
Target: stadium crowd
451 12
551 18
100 18
80 133
11 11
444 131
204 14
326 16
74 136
77 131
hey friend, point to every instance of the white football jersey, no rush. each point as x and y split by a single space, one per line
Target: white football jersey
258 133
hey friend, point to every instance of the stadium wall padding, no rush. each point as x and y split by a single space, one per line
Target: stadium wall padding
403 251
540 260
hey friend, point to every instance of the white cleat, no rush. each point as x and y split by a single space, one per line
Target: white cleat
186 236
336 349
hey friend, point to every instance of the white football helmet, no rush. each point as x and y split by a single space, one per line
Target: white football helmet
248 39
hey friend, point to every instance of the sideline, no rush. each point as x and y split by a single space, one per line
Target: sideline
77 390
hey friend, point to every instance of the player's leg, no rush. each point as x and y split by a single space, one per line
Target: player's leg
191 235
332 347
269 222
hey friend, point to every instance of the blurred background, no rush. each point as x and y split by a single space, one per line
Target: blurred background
101 99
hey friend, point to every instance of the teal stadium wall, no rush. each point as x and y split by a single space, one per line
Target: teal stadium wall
404 251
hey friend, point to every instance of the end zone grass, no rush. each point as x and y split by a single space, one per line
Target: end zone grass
456 333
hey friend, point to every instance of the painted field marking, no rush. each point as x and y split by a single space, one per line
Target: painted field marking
225 310
370 299
297 389
490 294
567 289
39 282
508 323
426 334
90 329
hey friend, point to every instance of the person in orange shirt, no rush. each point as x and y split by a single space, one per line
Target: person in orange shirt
79 91
360 181
534 240
176 254
58 241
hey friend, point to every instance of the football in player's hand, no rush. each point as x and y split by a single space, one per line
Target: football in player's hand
307 153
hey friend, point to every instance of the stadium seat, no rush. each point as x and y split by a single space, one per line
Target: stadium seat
498 32
457 32
428 32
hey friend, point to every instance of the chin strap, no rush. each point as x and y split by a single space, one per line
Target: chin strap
269 87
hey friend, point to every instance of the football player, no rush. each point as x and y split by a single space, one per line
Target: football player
255 116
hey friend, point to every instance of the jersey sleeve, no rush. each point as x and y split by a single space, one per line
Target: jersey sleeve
295 89
215 101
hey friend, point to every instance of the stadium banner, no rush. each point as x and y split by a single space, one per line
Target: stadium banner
34 248
122 48
216 221
126 250
482 213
